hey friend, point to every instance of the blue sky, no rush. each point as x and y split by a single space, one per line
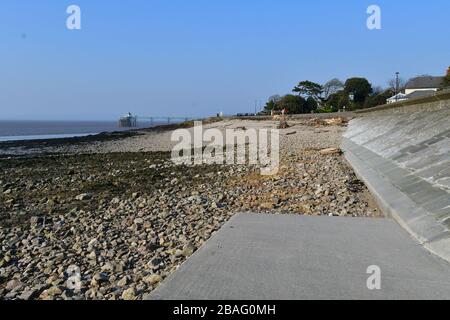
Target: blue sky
199 57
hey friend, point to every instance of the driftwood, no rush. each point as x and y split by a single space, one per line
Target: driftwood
329 151
283 123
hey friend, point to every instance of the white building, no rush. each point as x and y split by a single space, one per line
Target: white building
424 83
397 98
418 87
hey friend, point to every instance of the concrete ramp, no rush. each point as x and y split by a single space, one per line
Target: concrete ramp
256 256
402 152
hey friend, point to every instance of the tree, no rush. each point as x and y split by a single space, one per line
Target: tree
274 98
331 87
308 89
360 88
392 83
377 90
272 103
293 104
310 105
379 98
333 101
338 101
446 82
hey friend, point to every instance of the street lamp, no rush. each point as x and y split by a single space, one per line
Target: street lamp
397 85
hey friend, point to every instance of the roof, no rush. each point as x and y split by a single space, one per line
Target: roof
415 94
398 97
425 82
418 94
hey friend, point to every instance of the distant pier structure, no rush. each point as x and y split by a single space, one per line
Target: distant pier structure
128 121
131 121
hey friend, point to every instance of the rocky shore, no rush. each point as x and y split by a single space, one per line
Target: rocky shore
126 216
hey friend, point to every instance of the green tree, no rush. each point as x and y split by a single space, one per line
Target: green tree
308 89
275 98
331 87
360 88
310 105
344 101
379 98
335 101
446 82
271 104
293 104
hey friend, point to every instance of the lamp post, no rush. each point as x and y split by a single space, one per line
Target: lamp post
397 85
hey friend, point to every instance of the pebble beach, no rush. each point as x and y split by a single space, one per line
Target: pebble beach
123 213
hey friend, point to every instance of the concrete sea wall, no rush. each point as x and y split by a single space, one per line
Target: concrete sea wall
402 152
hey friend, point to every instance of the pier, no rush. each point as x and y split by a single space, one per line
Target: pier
131 121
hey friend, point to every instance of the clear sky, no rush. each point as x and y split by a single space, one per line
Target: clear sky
200 57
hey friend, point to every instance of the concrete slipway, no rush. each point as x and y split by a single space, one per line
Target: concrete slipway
402 152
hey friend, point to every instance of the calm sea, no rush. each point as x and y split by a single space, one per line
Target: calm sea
11 130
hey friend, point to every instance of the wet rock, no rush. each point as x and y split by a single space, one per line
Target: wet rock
84 197
188 249
14 285
152 279
156 262
129 294
29 294
108 267
99 278
123 282
92 255
51 293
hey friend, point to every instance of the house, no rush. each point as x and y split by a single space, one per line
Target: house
397 98
420 94
423 83
419 87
